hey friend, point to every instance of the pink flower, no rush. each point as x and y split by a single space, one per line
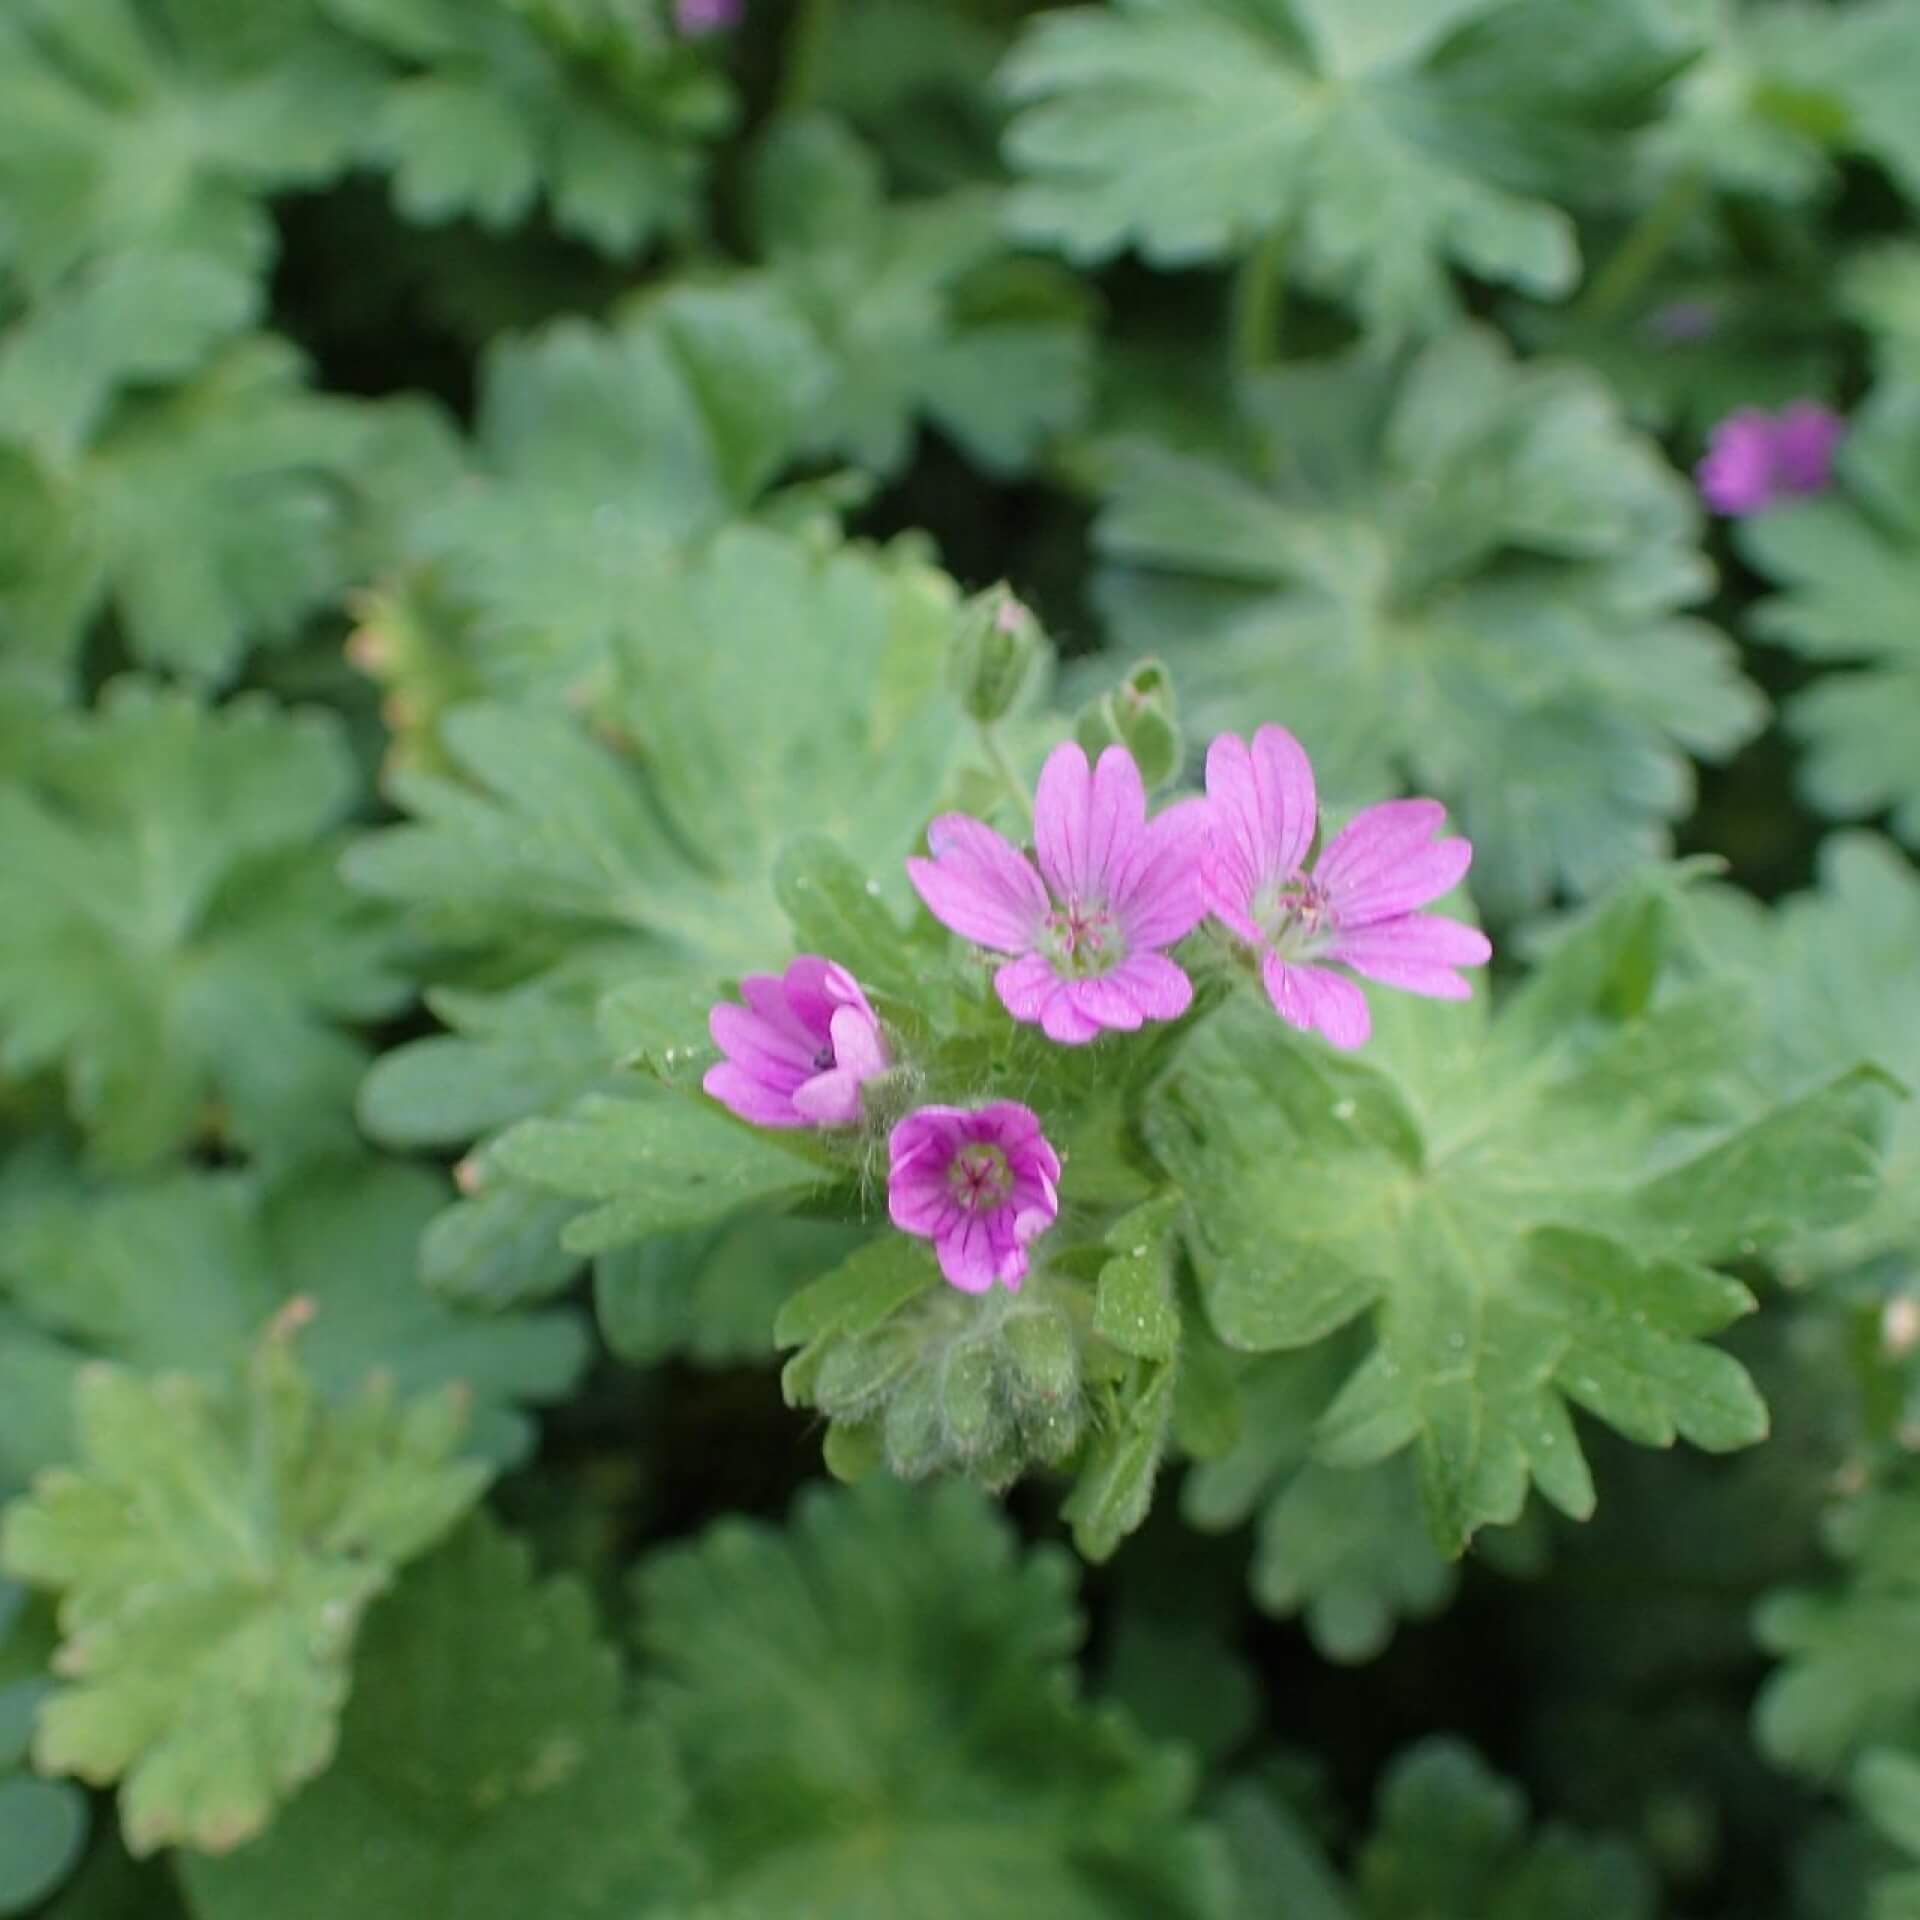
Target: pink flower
799 1051
1359 908
698 18
979 1183
1088 927
1755 459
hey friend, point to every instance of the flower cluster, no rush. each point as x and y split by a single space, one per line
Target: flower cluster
1756 460
1083 929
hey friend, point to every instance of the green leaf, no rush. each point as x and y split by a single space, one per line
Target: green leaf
659 1027
149 313
1456 571
43 1823
655 1164
179 947
487 110
1344 1549
136 142
506 1056
180 1273
1836 1694
1115 1485
600 454
1785 92
1832 970
736 732
858 1295
1282 1872
1887 1785
214 1553
1134 1308
652 854
207 517
1848 567
836 909
912 1713
1749 114
1881 293
714 1293
1387 143
43 1830
995 352
1451 1842
534 1791
1638 1361
1524 1228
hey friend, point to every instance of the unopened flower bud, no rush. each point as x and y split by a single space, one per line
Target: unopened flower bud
997 643
1139 714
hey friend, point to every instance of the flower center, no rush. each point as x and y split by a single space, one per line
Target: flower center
823 1060
1296 914
1082 940
979 1176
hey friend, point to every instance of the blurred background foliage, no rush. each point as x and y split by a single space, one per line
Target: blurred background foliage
431 432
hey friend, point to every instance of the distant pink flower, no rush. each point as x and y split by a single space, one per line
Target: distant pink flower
799 1051
698 18
1756 459
1088 935
979 1183
1359 908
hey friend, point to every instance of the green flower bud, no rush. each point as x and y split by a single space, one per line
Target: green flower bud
1045 1357
1139 714
914 1432
997 644
970 1400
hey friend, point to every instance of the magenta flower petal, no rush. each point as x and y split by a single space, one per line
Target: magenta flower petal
1381 864
1313 999
1156 985
1264 800
812 988
760 1048
750 1098
966 1254
1106 1003
800 1050
1736 476
1755 460
1376 839
1115 889
1085 824
1426 938
1393 963
1227 890
829 1099
1026 985
1805 438
979 886
1063 1021
1156 894
1356 908
980 1184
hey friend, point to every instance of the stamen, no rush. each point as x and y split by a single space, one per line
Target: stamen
979 1176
